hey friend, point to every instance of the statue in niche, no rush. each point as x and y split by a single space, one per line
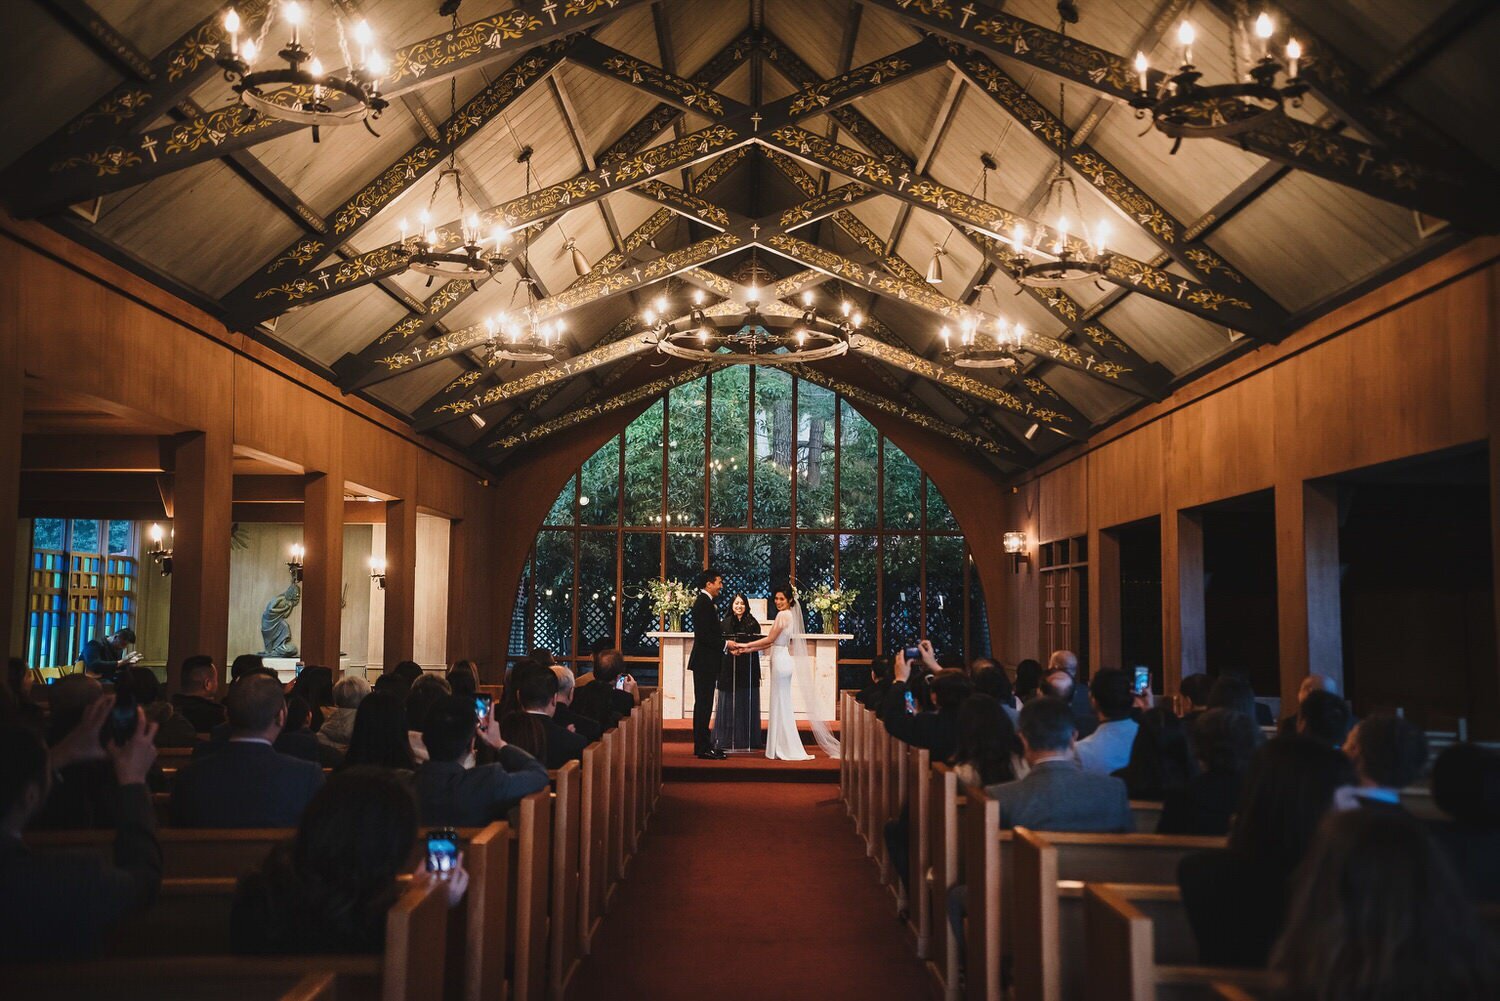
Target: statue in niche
275 623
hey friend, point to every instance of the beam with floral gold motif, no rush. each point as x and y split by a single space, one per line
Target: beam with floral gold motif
685 94
1387 174
578 415
593 287
89 172
966 211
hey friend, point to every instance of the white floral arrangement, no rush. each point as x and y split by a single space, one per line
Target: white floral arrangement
669 599
824 599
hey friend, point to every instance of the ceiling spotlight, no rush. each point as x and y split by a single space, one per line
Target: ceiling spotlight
477 421
580 263
1031 431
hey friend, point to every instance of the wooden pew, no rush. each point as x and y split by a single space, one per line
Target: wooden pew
1120 939
593 798
314 978
530 853
919 807
944 872
617 762
1147 814
1047 873
564 952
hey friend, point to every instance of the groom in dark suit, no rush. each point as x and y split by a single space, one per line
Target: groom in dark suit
705 660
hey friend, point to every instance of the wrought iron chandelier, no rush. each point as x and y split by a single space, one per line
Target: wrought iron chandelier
303 91
520 335
984 341
751 338
1183 108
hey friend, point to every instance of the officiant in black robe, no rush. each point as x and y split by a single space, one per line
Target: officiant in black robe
737 721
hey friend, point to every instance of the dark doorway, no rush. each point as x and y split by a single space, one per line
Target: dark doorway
1418 586
1240 616
1140 596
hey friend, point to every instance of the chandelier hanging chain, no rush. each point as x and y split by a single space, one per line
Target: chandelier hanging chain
520 335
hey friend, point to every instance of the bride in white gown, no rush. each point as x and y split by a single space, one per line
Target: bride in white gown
788 656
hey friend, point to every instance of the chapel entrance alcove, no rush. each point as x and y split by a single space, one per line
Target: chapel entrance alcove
1140 625
1240 624
763 477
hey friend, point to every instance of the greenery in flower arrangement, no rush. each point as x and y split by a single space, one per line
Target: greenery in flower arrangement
670 599
830 603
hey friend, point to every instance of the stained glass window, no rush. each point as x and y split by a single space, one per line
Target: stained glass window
766 478
81 586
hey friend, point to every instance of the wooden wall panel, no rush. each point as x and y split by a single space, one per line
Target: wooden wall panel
1063 503
430 622
1125 482
1223 447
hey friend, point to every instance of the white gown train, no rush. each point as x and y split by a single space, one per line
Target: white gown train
783 742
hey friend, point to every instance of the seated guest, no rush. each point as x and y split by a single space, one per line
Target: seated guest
1223 742
106 659
424 693
523 730
1056 685
1028 680
1235 898
1194 691
314 686
538 694
60 905
1161 757
84 793
882 668
15 694
299 741
391 684
381 735
1389 754
172 730
247 664
1232 690
1084 716
542 657
329 889
566 714
934 726
1379 915
1324 717
247 783
1466 787
450 795
199 680
990 679
408 671
338 727
989 752
1057 794
463 677
1107 749
1311 683
606 700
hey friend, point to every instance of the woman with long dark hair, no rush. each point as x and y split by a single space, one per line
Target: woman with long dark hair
1236 897
737 720
988 749
329 888
526 731
380 737
1378 915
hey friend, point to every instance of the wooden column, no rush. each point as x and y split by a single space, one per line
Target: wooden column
1486 722
1184 642
1309 618
1104 600
202 502
12 377
400 581
323 572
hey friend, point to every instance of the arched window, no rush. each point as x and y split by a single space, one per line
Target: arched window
764 477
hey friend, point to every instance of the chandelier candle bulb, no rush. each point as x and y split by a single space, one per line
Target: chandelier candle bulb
1185 37
1141 68
363 35
249 51
293 13
1264 27
232 25
1293 54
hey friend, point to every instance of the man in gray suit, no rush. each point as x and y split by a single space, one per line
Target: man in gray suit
1057 794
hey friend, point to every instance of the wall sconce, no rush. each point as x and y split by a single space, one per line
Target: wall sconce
377 571
159 552
294 565
1015 548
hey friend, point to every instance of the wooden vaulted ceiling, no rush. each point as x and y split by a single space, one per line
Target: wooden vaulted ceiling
839 142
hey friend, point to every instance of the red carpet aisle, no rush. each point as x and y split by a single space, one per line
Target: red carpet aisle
751 891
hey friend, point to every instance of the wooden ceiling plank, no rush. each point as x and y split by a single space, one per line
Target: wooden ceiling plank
106 165
1391 176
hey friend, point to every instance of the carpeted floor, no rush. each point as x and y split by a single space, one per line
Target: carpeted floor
751 890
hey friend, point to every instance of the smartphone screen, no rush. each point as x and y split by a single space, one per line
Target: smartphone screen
442 850
913 654
620 682
482 704
911 703
122 719
1142 680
